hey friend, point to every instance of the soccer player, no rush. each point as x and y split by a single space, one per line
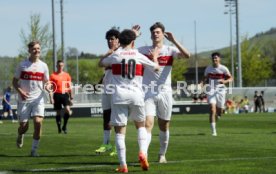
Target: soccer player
158 99
61 83
28 81
216 75
6 104
112 37
128 98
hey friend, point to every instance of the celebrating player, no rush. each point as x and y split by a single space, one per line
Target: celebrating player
158 102
112 37
128 99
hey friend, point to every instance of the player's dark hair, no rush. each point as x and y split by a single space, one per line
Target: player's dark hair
126 37
112 32
216 54
9 88
33 43
59 61
157 25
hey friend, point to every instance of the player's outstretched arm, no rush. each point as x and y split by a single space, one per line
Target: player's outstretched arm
183 51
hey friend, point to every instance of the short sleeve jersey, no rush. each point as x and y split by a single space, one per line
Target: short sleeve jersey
31 76
165 60
61 82
127 75
216 73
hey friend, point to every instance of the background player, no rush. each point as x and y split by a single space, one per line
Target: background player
216 75
159 103
7 106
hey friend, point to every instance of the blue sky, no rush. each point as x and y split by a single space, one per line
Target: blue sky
86 21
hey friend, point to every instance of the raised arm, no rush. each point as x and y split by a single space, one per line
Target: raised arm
183 51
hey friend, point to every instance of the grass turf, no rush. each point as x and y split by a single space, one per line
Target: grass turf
246 143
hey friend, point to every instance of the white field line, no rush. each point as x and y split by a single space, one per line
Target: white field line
170 162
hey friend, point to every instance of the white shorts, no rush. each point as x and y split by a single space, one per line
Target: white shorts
106 101
27 110
217 97
160 106
121 113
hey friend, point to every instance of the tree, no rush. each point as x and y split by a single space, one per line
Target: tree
256 67
89 71
37 31
179 68
270 51
72 52
7 70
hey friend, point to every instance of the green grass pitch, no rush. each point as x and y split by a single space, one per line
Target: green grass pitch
246 144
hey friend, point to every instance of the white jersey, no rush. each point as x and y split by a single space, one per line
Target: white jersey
31 76
107 78
127 75
165 60
216 73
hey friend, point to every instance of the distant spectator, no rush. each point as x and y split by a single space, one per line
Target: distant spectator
257 102
230 106
246 104
262 101
195 98
243 105
203 97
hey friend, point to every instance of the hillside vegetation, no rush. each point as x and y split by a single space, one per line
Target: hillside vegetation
260 49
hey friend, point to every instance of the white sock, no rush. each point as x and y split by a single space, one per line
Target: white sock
142 139
21 136
164 141
148 142
35 144
11 115
121 148
106 137
213 127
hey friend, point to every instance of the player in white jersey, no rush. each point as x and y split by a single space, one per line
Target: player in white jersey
29 80
216 76
128 97
158 100
112 37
